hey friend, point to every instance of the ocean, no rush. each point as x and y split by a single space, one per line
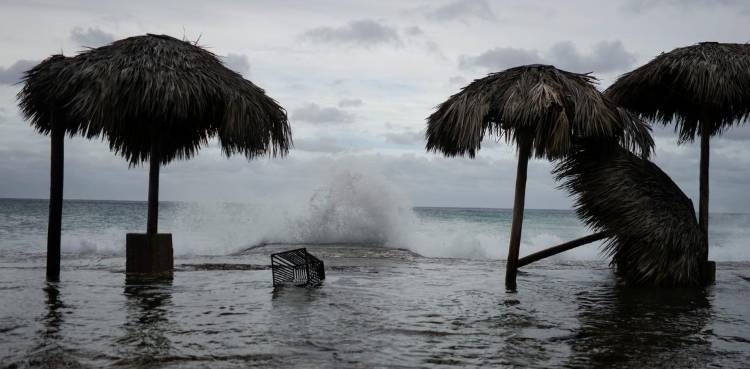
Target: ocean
406 287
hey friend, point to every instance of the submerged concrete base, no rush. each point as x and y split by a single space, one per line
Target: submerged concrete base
144 255
709 272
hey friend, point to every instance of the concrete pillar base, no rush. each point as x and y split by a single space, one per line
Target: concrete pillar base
144 255
709 272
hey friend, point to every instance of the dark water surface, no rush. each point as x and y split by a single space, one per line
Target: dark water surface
378 308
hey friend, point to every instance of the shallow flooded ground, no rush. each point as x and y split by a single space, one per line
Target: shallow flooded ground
378 307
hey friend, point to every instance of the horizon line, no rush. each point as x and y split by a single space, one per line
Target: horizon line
241 202
248 203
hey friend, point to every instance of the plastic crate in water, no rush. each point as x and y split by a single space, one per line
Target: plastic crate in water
297 268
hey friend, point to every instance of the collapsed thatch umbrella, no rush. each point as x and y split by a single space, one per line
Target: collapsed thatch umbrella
654 237
40 101
157 98
703 88
543 110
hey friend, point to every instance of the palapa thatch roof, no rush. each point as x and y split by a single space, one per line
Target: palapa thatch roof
708 83
42 98
551 107
655 239
158 88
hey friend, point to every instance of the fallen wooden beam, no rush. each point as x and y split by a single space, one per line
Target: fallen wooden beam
554 250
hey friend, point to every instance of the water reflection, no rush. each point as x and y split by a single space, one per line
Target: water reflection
630 327
295 312
149 300
50 351
296 302
54 317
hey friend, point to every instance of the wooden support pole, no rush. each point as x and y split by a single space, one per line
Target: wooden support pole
54 227
703 204
518 204
554 250
153 191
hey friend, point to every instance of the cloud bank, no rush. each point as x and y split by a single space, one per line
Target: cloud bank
604 57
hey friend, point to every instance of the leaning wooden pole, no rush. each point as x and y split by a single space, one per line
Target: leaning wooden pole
54 227
703 205
554 250
153 192
514 247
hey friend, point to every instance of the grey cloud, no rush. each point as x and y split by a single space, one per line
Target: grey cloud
740 132
346 103
660 130
14 72
313 113
413 31
91 37
366 32
640 6
319 145
416 36
737 133
456 80
405 138
462 10
500 58
433 48
605 56
238 63
730 169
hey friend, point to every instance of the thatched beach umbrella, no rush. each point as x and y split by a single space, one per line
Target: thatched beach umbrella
703 88
543 110
654 237
40 101
156 98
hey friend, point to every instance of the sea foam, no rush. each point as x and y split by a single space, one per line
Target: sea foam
347 205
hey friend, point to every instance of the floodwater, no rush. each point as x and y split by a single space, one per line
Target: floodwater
405 288
378 308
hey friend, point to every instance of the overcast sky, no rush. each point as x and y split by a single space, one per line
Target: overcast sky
358 79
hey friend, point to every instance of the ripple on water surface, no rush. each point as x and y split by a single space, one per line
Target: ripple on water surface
377 308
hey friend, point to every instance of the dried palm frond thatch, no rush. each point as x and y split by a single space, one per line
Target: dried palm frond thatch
703 88
155 98
42 98
543 104
542 109
172 93
654 235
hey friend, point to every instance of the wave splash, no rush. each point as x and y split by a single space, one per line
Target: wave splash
352 208
365 208
348 206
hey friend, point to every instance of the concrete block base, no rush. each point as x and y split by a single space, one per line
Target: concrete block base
148 255
709 272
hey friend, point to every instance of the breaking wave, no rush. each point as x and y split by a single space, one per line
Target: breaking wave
347 206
